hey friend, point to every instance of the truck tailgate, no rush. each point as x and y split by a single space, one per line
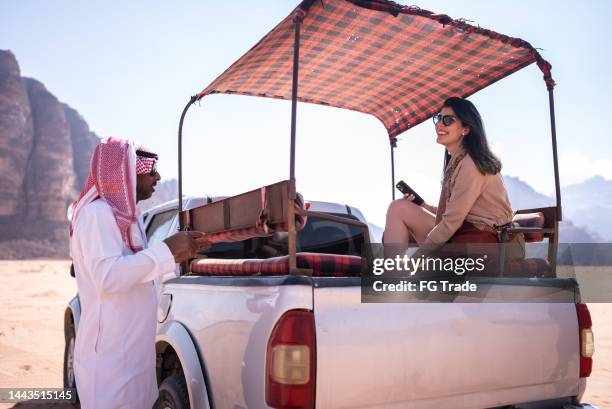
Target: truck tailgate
442 355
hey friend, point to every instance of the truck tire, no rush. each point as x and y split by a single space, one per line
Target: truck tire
69 380
173 393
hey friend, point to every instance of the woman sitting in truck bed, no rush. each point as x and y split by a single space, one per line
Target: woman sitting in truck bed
473 201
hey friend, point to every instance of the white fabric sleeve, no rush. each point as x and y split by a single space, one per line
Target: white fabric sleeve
102 248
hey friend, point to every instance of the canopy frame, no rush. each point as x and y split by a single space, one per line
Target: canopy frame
298 16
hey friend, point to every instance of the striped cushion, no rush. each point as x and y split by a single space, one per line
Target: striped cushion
531 220
529 267
234 235
323 265
260 228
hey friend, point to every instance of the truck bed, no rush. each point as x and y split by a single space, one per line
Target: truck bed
392 355
446 355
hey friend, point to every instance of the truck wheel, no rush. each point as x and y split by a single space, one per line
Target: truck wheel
173 393
69 380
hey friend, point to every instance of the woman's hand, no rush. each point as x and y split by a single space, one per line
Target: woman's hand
429 207
433 209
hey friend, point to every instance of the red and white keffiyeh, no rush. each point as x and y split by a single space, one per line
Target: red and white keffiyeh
144 164
112 176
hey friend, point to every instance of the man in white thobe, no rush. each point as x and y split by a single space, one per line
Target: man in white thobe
114 357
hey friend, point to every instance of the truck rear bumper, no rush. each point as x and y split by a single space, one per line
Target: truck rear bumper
555 404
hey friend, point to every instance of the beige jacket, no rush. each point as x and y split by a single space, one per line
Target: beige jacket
475 198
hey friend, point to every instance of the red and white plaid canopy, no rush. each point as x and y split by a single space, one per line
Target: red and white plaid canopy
398 63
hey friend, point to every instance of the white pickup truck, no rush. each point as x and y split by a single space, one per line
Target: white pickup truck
277 319
292 341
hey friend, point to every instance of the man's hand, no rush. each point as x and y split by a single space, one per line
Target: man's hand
203 242
186 244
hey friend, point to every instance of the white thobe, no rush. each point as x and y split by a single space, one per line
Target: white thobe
114 357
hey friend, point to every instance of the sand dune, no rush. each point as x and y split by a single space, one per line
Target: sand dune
35 295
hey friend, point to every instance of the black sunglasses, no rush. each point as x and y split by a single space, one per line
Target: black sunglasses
154 169
446 119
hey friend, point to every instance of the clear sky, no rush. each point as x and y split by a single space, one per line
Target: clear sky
130 67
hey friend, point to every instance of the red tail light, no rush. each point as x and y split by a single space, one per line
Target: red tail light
587 343
290 361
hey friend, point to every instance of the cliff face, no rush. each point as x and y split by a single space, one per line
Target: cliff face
83 143
16 134
45 149
49 179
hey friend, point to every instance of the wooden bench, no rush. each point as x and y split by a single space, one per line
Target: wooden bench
261 213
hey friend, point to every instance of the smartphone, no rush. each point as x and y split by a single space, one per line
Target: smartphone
407 190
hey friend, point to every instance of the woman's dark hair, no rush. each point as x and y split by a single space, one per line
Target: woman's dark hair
475 142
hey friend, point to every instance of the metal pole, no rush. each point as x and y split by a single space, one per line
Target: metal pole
180 160
294 90
292 239
392 144
553 129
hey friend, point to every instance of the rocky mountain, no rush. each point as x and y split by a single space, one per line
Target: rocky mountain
17 134
595 190
587 207
523 196
589 204
45 148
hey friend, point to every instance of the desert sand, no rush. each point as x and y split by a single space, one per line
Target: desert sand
35 295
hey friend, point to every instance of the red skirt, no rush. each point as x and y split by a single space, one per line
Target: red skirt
469 241
468 233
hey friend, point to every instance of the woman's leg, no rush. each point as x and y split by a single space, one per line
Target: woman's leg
404 218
